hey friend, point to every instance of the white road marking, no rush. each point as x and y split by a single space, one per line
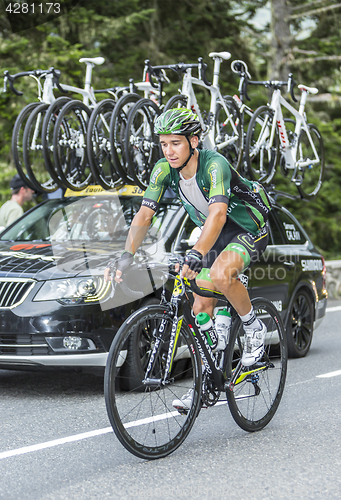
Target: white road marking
86 435
55 442
332 309
330 374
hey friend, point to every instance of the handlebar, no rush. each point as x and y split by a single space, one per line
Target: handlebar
178 68
37 73
134 294
240 67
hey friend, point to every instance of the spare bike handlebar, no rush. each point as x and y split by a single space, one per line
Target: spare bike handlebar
38 73
180 68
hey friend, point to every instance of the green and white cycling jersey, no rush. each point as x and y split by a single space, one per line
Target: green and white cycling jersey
247 202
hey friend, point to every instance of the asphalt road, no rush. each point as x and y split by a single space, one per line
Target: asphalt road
56 442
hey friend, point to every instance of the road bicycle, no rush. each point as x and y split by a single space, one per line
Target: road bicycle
134 146
50 78
301 150
32 134
221 124
159 353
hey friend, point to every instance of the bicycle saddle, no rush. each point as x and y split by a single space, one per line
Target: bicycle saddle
92 60
223 55
311 90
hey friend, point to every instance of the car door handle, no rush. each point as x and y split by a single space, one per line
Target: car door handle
289 264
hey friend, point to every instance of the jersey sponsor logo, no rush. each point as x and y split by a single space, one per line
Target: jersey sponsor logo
231 207
213 175
253 195
311 265
150 204
155 176
246 241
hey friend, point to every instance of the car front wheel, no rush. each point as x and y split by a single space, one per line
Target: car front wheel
300 324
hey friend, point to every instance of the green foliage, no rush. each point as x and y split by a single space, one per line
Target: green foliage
126 32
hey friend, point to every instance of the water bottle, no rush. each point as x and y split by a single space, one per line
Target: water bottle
206 326
223 326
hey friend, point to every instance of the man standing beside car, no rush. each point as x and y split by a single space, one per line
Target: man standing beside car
13 208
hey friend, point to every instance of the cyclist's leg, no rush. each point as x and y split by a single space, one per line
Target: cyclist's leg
243 250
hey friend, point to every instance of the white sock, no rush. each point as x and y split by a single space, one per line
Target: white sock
250 320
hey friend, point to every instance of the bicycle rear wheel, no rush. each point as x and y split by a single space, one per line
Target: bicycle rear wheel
17 142
309 176
257 392
118 124
47 136
98 146
142 415
69 145
33 152
261 156
141 142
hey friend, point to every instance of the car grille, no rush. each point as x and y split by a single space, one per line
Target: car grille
24 345
13 291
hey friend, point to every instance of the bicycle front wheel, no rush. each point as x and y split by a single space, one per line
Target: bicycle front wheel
142 414
261 156
257 391
310 167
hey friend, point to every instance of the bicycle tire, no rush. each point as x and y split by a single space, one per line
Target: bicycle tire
17 142
144 420
118 124
229 129
256 395
47 136
98 146
311 176
33 152
177 101
141 142
69 146
261 160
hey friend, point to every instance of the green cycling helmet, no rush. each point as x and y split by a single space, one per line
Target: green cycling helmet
180 121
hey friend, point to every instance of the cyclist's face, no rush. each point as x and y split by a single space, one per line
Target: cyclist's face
176 148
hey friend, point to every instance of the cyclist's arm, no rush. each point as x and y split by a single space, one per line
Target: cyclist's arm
137 232
140 224
138 229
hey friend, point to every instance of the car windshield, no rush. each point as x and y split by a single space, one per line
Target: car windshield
90 218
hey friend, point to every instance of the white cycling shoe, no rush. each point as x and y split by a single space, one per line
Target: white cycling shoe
254 345
185 402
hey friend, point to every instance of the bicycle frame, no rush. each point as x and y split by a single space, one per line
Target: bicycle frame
183 311
290 151
216 98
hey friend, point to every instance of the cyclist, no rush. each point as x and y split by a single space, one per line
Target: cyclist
232 212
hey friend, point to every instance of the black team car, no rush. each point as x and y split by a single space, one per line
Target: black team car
56 310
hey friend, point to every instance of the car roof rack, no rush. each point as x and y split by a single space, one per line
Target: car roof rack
275 193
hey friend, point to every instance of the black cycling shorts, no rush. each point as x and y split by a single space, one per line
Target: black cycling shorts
235 239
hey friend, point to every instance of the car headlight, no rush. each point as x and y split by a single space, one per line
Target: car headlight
74 290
